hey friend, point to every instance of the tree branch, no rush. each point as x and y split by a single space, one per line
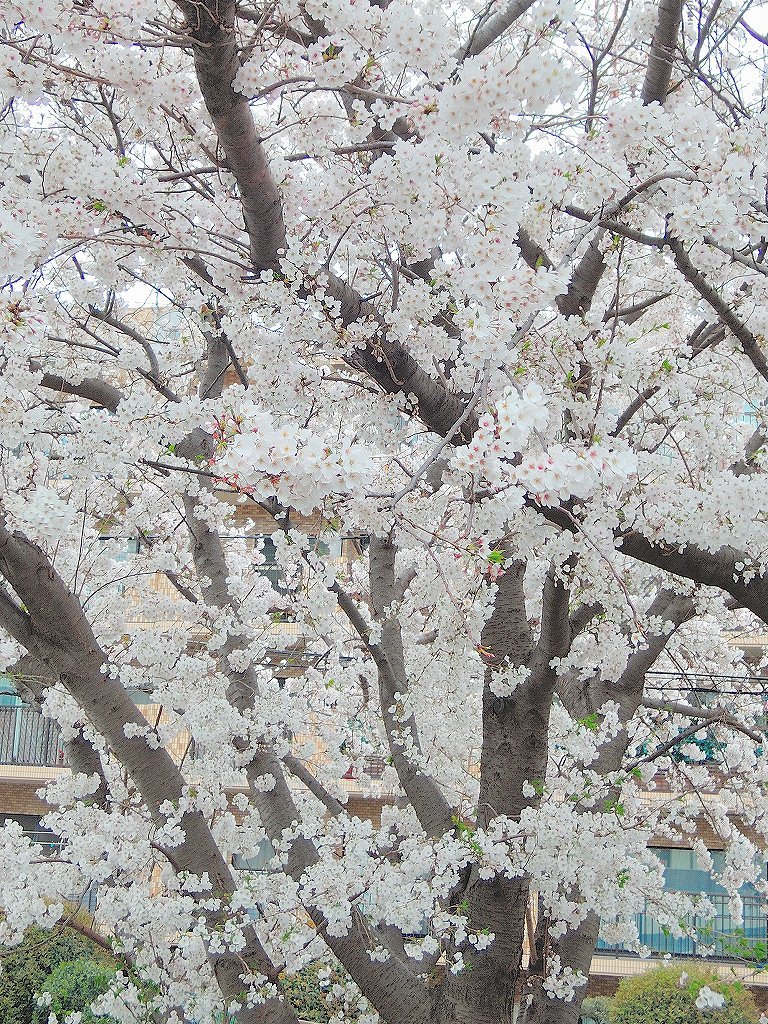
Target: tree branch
710 295
708 715
211 24
93 389
300 771
432 809
661 58
491 27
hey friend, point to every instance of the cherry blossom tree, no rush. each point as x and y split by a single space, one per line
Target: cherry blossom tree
480 289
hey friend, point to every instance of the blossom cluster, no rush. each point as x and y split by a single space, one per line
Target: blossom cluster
298 467
507 450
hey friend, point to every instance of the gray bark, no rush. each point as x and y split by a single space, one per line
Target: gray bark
427 799
514 751
93 389
492 27
663 45
708 568
584 281
211 25
712 297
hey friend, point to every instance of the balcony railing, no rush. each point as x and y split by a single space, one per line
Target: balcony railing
718 936
49 843
27 738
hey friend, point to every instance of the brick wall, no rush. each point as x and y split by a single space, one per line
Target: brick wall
602 985
705 832
20 798
367 808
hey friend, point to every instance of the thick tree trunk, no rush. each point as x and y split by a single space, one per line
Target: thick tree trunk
575 951
514 752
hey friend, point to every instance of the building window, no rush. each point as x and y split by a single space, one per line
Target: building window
270 567
720 933
256 861
27 737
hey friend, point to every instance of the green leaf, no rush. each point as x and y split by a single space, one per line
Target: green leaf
591 722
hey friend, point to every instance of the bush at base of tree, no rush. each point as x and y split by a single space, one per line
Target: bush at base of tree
73 986
667 995
318 1001
26 966
306 995
597 1009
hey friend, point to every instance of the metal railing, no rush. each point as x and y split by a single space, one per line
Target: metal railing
718 936
50 844
27 738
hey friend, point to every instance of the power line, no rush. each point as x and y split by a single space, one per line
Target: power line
715 678
731 677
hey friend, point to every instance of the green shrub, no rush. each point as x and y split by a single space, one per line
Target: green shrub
305 995
597 1009
26 966
667 995
312 1002
73 985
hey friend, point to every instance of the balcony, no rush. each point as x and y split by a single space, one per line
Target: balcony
718 936
27 738
29 741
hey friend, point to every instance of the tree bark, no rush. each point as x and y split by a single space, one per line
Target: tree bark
661 59
514 752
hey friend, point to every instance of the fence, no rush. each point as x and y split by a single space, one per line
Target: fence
718 936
